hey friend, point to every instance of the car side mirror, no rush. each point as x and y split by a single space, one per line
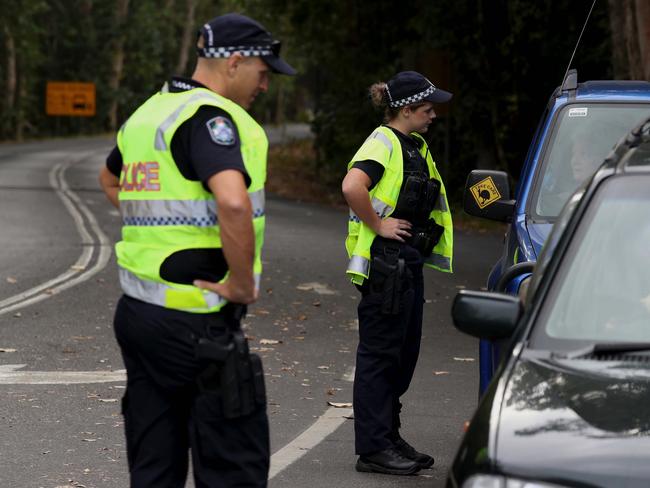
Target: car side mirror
486 315
487 195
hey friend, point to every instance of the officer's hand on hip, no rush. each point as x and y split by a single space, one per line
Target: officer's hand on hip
396 229
232 290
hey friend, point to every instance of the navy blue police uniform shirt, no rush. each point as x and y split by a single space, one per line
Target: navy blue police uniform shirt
413 160
202 146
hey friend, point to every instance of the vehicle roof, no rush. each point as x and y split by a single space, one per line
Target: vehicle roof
599 90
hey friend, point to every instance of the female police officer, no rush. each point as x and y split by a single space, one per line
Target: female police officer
399 222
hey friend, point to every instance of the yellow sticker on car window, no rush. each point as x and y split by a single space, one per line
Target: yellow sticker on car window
485 192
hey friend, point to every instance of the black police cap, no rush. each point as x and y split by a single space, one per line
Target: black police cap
408 87
231 33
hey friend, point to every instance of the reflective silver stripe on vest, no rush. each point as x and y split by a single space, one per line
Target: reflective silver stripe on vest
439 261
160 143
198 213
359 265
383 139
258 202
441 204
153 292
381 208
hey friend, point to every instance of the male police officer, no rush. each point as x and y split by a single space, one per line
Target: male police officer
187 265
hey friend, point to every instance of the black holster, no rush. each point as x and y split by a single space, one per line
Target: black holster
230 369
386 277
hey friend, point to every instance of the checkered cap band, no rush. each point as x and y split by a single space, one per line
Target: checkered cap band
413 98
226 52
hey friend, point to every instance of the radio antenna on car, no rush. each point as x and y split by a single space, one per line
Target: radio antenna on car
566 73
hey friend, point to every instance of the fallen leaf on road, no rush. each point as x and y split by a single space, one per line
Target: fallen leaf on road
340 404
270 341
316 304
302 317
108 400
261 311
323 367
299 338
18 314
11 279
89 440
463 359
7 349
437 373
77 268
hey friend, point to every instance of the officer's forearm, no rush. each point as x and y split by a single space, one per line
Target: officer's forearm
359 201
110 185
355 190
236 226
238 241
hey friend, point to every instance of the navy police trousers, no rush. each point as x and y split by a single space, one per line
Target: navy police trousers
388 350
165 415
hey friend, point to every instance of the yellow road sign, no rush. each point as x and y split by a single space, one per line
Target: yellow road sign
74 98
485 192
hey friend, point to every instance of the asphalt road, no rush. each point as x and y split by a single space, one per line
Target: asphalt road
60 378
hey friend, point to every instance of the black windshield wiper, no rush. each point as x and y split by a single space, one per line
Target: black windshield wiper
604 348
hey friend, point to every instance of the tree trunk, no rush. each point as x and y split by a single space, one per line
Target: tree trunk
121 12
186 39
619 51
632 41
20 110
10 70
643 30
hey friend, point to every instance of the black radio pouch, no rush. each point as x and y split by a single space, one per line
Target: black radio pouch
417 197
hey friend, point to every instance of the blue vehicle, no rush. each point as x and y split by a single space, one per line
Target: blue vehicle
581 124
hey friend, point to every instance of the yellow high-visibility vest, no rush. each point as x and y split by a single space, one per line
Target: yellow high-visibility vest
163 212
384 147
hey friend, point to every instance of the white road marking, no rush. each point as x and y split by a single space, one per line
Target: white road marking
9 375
77 273
327 423
319 430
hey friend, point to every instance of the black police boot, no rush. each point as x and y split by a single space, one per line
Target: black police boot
408 451
388 461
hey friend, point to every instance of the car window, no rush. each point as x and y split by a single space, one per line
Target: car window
583 136
601 292
552 242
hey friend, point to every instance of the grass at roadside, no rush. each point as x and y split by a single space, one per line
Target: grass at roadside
292 175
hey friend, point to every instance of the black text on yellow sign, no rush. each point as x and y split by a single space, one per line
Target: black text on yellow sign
485 192
73 98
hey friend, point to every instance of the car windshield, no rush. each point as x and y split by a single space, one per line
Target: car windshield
601 292
583 137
